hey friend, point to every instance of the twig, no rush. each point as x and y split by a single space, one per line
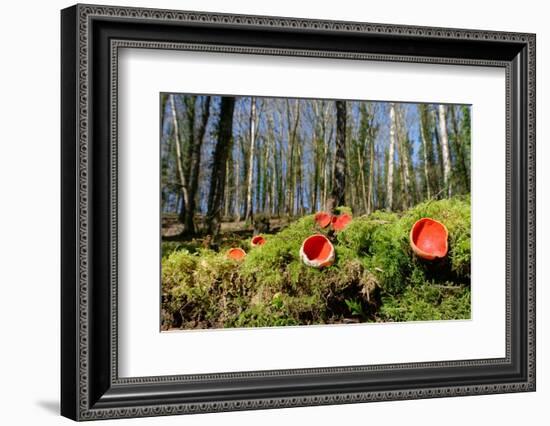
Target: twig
449 287
434 197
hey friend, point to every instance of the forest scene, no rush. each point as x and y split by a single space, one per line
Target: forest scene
287 212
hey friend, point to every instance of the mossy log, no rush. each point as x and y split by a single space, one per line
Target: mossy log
375 276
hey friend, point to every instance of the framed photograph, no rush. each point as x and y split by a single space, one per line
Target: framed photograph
263 212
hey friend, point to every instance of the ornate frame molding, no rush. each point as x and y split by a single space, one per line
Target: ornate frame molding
86 405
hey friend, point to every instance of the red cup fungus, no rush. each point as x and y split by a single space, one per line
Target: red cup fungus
340 222
257 240
428 239
236 253
317 251
323 219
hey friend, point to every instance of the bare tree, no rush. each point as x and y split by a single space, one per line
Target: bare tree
444 140
219 162
327 130
339 185
404 160
179 159
422 117
460 151
237 190
249 211
196 139
391 154
290 165
371 138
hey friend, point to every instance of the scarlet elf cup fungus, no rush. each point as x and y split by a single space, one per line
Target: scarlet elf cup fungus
257 240
317 251
323 219
236 253
341 221
428 239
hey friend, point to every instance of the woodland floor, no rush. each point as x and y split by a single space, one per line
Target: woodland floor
172 227
376 277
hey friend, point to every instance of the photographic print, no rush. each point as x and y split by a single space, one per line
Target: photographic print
297 212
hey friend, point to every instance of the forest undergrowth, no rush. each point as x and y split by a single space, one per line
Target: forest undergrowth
375 276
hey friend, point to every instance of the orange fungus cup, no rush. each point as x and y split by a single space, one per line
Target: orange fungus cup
322 219
428 239
236 253
341 221
257 240
317 251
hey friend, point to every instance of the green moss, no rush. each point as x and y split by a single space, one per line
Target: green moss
375 277
455 214
427 302
169 247
381 241
342 210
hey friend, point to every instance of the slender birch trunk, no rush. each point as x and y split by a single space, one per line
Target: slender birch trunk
389 190
404 160
299 182
249 209
444 140
425 150
370 198
291 172
237 206
228 187
324 165
362 176
259 178
266 205
179 159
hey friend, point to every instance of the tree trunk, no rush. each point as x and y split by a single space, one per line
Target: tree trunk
275 184
338 197
268 175
250 173
444 140
423 130
404 160
291 172
438 164
259 178
362 176
194 166
351 194
281 181
324 162
298 180
190 110
179 159
237 206
221 151
228 187
370 198
391 154
315 181
461 159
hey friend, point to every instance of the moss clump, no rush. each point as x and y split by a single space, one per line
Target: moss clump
375 277
381 242
427 302
199 289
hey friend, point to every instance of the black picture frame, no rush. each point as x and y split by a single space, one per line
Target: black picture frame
90 386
